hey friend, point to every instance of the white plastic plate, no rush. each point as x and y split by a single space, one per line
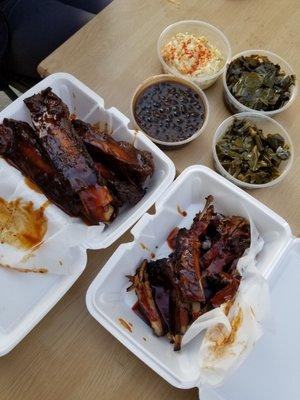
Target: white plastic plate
26 298
107 299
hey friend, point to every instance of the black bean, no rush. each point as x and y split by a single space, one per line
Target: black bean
169 111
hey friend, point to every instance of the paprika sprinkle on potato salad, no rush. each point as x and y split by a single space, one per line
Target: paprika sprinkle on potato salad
193 55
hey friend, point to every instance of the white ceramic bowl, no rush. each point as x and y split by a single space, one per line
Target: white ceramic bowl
163 78
237 107
268 125
213 34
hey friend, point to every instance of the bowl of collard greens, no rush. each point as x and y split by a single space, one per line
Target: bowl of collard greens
258 80
252 150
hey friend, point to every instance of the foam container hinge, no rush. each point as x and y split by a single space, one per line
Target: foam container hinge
107 299
26 298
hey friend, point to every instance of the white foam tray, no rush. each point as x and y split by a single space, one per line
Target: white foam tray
272 370
107 299
26 298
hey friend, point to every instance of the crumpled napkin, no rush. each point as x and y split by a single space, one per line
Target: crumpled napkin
224 346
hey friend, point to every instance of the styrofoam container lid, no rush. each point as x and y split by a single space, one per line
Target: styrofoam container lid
107 299
272 370
26 298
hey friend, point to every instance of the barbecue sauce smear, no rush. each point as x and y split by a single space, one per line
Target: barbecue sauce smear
169 111
21 225
32 185
125 324
171 239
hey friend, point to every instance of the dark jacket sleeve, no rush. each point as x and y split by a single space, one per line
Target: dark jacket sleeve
4 36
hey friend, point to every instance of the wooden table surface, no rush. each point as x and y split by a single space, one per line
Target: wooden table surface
69 355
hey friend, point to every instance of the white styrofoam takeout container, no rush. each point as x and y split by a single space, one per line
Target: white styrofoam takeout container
26 298
271 372
107 299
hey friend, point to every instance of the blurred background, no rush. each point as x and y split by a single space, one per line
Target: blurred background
32 29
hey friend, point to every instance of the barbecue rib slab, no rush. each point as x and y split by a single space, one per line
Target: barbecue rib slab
21 149
199 275
135 165
68 155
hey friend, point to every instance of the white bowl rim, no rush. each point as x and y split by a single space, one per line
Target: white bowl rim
246 185
174 71
241 105
147 82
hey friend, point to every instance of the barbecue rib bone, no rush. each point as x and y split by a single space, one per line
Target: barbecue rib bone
135 165
21 149
68 155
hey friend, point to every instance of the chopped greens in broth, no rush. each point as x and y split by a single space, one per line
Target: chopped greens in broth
258 83
249 155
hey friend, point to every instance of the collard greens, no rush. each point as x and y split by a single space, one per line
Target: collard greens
250 156
258 83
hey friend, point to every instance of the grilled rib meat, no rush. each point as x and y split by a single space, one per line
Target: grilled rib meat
125 191
234 240
203 218
231 284
68 155
141 285
21 149
199 275
187 266
131 163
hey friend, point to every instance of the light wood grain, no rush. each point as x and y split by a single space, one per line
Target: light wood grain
68 355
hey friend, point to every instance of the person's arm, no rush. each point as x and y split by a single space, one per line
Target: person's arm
3 49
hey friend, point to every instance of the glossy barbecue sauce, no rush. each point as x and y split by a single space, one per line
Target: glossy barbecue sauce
169 111
171 239
22 225
127 325
32 185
